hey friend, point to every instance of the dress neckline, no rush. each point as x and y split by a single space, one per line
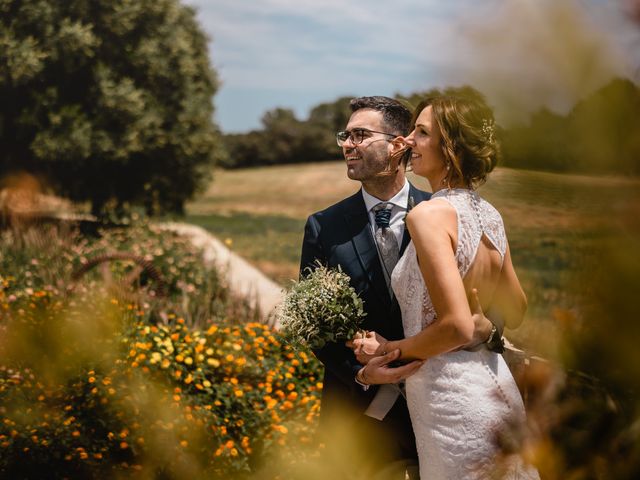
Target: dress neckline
448 191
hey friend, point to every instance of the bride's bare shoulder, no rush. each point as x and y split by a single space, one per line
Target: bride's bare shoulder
433 211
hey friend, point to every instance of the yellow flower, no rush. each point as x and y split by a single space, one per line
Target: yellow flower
281 428
212 329
214 362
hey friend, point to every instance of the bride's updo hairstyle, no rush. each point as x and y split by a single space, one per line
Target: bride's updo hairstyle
468 136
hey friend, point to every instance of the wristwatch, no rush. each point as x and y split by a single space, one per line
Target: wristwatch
495 343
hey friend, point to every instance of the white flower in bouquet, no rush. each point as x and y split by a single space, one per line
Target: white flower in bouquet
322 307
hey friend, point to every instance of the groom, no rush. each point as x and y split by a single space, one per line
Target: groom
348 234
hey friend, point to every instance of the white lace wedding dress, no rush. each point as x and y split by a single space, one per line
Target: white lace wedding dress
460 400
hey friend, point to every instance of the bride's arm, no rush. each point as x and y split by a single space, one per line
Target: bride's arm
433 228
509 300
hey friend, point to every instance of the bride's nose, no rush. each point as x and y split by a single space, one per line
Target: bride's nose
409 140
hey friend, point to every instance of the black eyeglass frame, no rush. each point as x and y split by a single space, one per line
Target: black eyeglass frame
361 131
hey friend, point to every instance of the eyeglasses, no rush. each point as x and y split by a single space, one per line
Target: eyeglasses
357 135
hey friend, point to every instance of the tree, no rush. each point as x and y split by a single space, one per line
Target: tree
284 139
605 129
108 100
541 145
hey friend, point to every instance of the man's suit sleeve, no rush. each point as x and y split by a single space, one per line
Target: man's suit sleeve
311 247
336 357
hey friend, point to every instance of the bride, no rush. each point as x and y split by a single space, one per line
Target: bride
461 402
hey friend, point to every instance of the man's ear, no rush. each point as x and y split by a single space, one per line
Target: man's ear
397 144
399 152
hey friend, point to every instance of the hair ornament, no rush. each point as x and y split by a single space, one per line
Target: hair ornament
488 130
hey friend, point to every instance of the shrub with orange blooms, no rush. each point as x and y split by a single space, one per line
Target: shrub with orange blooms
93 384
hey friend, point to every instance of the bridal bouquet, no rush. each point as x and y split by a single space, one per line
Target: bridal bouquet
321 308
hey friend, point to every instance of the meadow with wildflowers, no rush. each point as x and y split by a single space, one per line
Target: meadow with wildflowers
101 378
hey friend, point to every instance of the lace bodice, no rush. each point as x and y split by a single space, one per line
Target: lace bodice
476 217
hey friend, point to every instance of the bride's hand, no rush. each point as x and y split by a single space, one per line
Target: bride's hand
366 347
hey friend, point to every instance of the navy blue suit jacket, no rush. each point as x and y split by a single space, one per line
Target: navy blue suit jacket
341 235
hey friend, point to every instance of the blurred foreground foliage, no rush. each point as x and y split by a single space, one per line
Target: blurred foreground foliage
108 101
587 414
98 380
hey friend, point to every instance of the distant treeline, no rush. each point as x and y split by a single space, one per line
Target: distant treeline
601 134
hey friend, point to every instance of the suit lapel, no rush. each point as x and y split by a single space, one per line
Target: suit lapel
415 197
357 221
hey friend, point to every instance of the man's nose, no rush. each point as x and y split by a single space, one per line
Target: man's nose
348 144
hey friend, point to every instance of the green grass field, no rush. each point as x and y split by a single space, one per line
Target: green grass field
554 223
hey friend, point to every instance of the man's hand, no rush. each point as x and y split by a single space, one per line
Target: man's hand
367 346
481 324
378 371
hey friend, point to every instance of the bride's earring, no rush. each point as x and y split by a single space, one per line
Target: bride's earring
445 180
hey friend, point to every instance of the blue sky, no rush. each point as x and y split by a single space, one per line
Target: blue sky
521 53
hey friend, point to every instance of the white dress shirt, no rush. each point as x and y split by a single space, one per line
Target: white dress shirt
398 210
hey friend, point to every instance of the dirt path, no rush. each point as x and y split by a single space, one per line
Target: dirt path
243 278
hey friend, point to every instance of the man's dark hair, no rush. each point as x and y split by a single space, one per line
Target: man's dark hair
394 114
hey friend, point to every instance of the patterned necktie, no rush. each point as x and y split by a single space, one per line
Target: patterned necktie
386 240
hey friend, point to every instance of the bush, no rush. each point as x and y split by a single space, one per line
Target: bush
96 381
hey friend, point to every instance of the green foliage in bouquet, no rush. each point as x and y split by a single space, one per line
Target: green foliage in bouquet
322 307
